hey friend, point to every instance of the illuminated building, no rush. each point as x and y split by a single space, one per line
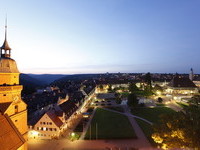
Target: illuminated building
11 104
49 126
181 87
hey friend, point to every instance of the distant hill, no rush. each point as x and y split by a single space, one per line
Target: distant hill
30 84
26 79
47 78
76 77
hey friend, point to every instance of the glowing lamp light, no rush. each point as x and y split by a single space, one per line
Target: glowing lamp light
34 133
72 134
158 92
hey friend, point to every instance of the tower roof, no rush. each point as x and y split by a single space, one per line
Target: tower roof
5 45
8 65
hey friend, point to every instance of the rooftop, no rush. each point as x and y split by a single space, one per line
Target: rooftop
179 81
10 138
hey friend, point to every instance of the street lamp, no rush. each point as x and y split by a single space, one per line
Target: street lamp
72 134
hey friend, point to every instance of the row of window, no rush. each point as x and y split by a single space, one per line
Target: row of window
46 129
48 123
42 135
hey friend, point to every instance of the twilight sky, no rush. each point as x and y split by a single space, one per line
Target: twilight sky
98 36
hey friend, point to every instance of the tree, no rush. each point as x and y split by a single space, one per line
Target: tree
160 100
109 88
147 91
132 100
132 88
195 100
101 87
157 88
180 129
147 79
118 98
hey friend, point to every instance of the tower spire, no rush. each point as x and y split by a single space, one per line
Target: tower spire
6 28
5 48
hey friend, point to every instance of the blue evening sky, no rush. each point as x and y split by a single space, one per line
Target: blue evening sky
98 36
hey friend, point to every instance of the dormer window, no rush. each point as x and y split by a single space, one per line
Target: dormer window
16 108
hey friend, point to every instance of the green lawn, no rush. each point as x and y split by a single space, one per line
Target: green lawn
110 126
124 94
183 105
151 114
120 109
160 104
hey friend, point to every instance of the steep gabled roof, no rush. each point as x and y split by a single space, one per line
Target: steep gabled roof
69 107
10 138
54 118
181 82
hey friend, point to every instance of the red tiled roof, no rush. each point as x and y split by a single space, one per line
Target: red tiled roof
10 138
54 118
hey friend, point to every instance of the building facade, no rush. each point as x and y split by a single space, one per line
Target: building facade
11 103
49 126
180 88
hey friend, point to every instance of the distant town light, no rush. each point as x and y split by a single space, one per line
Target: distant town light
158 92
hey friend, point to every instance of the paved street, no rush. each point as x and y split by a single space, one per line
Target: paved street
86 144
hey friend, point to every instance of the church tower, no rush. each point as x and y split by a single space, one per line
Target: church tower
191 75
11 103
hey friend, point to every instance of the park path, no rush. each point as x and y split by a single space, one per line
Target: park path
173 105
140 134
128 114
138 131
87 126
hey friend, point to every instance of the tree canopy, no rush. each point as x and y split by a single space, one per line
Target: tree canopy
132 100
132 88
147 79
179 130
